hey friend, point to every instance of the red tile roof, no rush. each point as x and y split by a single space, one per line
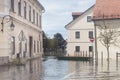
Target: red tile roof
107 9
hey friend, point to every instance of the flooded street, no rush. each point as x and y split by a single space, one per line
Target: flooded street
53 69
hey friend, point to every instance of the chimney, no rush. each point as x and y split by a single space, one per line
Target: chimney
76 15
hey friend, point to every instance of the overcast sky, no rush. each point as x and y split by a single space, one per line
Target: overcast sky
58 14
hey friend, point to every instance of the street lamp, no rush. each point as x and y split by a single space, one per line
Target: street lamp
11 25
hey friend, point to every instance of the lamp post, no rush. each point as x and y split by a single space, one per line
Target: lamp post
11 25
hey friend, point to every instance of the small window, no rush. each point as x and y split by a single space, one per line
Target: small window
77 48
89 18
90 48
90 34
77 35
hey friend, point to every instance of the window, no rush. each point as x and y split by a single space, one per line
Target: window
25 5
34 46
29 13
89 18
40 46
37 46
90 34
12 5
33 16
90 48
13 45
40 21
19 7
26 46
77 35
37 18
77 48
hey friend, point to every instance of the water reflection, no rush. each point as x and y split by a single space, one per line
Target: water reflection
53 69
31 71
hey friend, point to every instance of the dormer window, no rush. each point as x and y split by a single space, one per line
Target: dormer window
89 18
77 35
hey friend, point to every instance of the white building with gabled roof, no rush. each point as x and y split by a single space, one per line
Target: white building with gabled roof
79 30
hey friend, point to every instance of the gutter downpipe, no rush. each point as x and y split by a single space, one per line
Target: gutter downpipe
96 51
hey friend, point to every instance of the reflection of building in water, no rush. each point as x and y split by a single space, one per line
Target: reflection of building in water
35 69
77 66
31 71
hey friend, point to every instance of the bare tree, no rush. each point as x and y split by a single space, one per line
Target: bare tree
109 36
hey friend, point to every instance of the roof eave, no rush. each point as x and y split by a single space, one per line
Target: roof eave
105 19
79 16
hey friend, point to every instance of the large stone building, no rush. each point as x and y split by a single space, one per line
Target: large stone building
25 40
80 30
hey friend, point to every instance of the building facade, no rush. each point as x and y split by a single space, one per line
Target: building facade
109 16
80 30
25 41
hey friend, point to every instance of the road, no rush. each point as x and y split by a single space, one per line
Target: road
53 69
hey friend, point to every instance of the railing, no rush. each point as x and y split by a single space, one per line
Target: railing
76 54
83 54
54 53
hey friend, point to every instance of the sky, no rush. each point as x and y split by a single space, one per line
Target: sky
58 13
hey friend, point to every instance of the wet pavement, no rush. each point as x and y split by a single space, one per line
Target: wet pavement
53 69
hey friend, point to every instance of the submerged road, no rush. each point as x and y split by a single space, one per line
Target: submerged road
53 69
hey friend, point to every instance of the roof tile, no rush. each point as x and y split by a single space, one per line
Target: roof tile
107 9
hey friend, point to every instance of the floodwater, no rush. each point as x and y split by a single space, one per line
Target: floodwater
53 69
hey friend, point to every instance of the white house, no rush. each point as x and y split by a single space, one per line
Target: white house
80 30
106 13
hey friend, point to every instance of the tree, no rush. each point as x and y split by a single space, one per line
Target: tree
58 40
53 44
45 42
109 36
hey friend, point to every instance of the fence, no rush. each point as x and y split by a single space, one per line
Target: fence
83 54
76 54
54 53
